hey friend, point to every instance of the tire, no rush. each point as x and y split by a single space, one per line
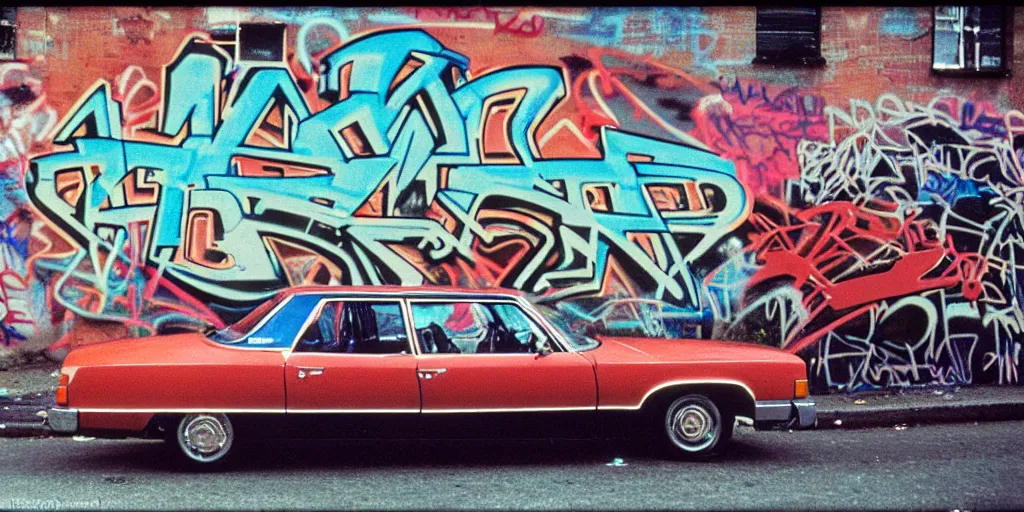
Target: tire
203 441
692 427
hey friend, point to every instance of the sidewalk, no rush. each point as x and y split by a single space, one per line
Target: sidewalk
920 406
27 391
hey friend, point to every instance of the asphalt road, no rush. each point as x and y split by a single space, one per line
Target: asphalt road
963 466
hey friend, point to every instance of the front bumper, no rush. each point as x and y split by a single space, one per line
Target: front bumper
63 421
773 414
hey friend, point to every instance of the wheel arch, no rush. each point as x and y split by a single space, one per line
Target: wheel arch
731 397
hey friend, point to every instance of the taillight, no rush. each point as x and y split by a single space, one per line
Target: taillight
800 388
62 389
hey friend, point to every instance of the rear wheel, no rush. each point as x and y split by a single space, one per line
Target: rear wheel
204 440
693 427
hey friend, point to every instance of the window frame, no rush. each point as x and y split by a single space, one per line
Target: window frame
816 61
1007 44
410 348
553 337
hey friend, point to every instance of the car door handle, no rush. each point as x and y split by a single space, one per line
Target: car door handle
430 374
310 371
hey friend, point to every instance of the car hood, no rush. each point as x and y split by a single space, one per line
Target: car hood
169 349
685 351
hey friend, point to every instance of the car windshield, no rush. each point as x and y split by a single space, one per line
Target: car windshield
559 319
233 333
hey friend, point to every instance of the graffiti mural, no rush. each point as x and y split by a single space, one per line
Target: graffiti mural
627 165
409 173
895 258
25 120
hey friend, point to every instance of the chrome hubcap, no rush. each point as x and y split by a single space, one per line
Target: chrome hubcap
693 423
205 437
692 427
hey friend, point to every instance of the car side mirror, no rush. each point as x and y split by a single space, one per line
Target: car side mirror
543 347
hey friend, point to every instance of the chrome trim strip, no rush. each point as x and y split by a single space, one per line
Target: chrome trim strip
510 409
441 293
675 383
410 333
773 410
184 410
800 413
243 347
332 411
410 329
352 411
519 354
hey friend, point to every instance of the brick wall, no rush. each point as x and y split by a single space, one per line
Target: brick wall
675 74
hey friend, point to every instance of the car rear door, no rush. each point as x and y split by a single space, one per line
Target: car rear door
473 372
353 356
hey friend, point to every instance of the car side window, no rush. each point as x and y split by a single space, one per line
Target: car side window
354 327
475 328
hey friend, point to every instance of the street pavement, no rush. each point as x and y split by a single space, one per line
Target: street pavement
953 466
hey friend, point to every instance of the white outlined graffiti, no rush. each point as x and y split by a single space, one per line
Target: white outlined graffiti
412 173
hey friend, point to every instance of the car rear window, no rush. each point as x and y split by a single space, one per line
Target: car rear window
278 331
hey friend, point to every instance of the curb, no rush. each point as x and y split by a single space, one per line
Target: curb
919 415
23 429
847 418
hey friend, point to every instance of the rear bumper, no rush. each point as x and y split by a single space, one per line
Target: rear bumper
63 421
774 414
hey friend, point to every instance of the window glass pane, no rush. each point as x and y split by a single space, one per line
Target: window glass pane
390 325
450 328
277 332
947 39
524 330
474 328
356 328
248 322
990 37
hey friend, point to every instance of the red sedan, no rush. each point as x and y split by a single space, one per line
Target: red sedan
423 362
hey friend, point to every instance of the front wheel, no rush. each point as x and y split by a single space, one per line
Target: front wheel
204 440
694 428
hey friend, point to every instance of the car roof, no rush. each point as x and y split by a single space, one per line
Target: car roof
405 291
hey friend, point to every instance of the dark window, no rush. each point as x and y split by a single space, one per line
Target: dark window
353 327
789 36
971 40
8 32
261 41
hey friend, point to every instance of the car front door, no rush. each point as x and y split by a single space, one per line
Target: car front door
479 357
354 356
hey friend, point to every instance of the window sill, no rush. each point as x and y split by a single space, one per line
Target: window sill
803 62
970 73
